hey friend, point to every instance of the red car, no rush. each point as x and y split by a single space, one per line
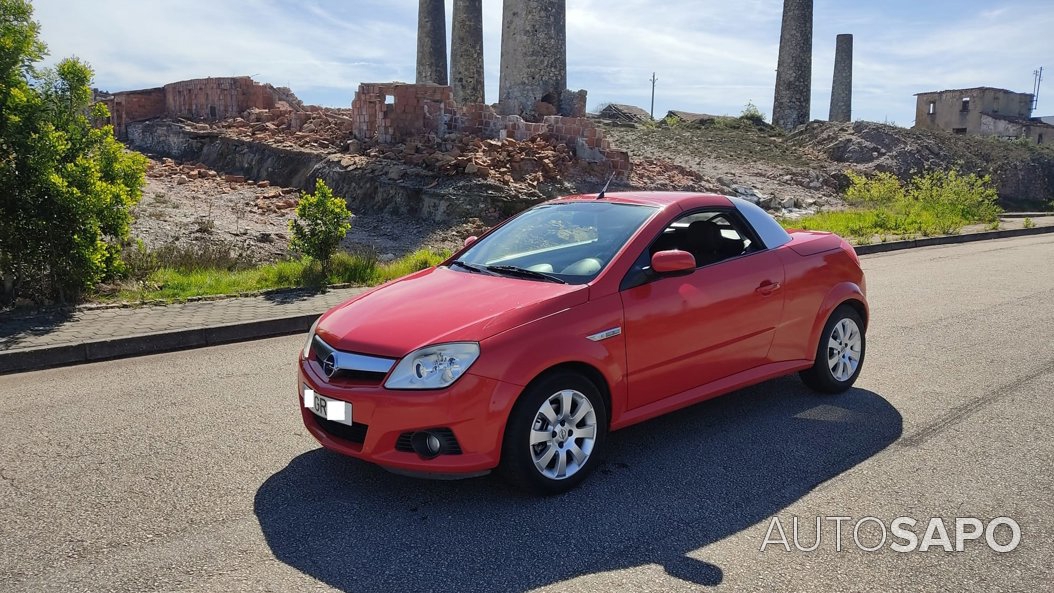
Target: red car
577 317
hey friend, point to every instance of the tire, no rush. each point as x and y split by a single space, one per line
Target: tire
840 353
566 416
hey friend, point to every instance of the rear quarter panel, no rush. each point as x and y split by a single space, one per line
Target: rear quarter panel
815 283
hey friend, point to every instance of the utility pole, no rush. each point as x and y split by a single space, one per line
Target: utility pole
653 81
1038 74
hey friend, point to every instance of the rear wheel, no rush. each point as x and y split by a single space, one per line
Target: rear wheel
840 353
554 434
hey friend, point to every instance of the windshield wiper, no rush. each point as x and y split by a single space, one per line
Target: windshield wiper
467 266
525 273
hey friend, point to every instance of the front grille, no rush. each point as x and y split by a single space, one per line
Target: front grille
346 377
356 433
446 436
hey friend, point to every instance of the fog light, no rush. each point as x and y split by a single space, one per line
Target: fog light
426 444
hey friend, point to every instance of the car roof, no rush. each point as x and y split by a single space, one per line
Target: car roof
655 198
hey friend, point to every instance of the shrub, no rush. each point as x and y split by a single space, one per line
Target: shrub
968 197
322 220
752 113
938 203
1029 223
883 189
68 187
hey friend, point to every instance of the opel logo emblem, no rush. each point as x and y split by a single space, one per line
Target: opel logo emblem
329 366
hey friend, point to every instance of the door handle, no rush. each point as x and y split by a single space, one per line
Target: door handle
767 287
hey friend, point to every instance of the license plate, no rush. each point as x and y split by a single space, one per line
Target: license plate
326 407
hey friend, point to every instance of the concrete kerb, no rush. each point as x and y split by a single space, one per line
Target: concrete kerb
950 240
31 359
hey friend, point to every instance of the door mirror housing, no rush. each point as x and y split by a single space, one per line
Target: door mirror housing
470 240
673 261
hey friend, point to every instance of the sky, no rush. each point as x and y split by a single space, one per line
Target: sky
710 56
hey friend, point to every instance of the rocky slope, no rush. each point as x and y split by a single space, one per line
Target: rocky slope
806 169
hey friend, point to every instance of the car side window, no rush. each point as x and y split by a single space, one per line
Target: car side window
710 236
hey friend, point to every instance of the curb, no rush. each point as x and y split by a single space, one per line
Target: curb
950 240
34 359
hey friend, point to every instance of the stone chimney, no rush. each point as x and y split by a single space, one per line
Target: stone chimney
533 55
431 42
466 52
842 87
792 104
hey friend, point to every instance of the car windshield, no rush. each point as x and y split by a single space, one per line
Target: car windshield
570 242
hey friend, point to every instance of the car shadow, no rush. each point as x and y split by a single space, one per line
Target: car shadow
667 488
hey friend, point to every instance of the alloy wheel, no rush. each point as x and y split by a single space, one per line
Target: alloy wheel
563 434
843 349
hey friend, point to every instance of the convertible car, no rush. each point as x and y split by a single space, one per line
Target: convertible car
575 318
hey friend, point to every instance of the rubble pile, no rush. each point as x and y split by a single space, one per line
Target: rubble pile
510 162
663 175
268 199
319 128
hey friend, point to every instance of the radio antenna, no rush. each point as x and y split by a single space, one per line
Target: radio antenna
600 196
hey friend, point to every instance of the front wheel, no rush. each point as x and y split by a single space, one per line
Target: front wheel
840 353
554 434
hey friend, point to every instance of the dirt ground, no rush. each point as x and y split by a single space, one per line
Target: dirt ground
207 207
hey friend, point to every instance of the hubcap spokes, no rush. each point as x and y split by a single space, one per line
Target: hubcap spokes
563 434
843 349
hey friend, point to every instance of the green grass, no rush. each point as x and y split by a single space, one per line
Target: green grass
938 203
864 224
172 283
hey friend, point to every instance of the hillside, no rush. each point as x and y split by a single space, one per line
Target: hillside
806 168
233 185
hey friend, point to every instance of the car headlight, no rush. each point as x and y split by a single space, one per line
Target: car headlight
433 367
311 338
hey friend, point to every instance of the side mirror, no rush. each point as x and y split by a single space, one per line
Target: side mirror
470 240
672 262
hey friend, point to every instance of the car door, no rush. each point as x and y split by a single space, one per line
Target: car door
689 330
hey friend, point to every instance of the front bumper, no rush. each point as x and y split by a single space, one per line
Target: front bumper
474 408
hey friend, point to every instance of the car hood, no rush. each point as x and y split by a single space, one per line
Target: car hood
441 305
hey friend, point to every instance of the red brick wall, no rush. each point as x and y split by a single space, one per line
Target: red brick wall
216 98
133 106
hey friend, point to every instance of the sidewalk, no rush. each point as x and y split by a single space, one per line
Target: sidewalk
60 337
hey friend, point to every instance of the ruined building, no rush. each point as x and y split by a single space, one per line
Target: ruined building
209 99
466 52
842 86
393 113
792 103
982 111
431 42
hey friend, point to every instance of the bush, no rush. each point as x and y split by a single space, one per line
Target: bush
937 203
322 220
751 113
68 188
884 189
951 195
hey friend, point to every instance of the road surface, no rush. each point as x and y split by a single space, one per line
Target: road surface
191 472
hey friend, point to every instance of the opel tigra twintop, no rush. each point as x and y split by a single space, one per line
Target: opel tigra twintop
575 318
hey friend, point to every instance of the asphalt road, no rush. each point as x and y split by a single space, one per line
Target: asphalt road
191 472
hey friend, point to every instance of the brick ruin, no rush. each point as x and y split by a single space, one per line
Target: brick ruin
205 99
397 112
